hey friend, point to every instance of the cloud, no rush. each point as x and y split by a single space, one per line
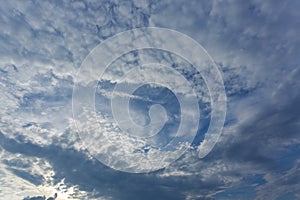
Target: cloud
77 168
256 46
279 185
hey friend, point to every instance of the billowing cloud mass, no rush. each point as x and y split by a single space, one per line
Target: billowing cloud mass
256 46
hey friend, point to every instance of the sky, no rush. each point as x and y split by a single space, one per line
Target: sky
255 46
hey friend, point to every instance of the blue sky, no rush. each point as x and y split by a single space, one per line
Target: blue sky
256 46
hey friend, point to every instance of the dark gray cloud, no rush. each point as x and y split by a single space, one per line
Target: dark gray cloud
90 175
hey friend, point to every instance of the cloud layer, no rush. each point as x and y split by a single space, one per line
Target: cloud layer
255 45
